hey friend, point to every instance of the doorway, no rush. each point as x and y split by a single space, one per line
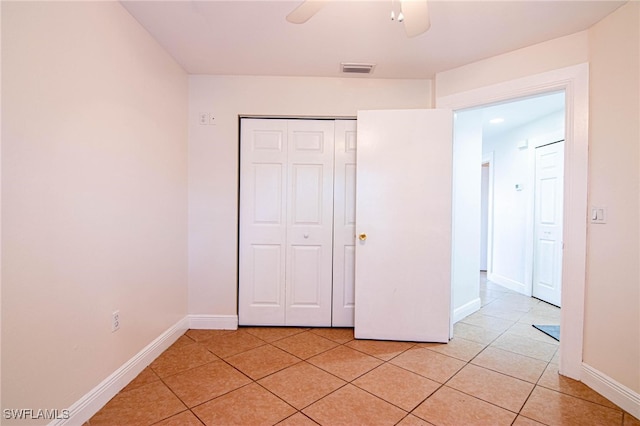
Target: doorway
520 141
574 82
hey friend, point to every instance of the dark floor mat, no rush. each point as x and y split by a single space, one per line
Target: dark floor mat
550 330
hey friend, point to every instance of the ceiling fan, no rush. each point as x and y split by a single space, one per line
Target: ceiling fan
414 14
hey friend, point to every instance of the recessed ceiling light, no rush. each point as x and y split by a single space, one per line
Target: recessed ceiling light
496 120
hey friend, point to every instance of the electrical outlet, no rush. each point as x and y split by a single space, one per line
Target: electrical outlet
115 321
203 118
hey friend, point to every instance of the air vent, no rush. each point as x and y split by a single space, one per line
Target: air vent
357 68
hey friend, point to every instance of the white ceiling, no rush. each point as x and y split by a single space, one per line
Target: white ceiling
237 37
519 112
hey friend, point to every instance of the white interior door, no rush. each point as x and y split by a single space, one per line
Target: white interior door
548 211
310 223
344 219
403 215
263 222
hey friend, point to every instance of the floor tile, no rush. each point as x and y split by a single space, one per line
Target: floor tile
449 407
551 379
206 382
175 360
231 344
496 362
629 420
429 364
554 408
502 305
397 386
544 318
382 349
271 334
412 420
305 345
142 406
345 362
510 363
201 335
457 347
145 377
301 384
182 341
297 419
486 298
339 335
262 361
527 330
352 406
500 309
524 421
474 333
525 346
490 323
249 405
546 308
517 299
186 418
503 391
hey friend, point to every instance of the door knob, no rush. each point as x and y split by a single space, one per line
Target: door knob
362 237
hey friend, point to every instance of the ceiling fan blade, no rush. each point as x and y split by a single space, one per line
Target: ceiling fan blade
305 11
416 16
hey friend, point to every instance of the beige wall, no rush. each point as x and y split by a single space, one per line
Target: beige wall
213 159
94 197
557 53
612 322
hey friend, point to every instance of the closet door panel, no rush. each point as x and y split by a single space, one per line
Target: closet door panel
344 223
266 277
262 241
307 193
306 262
309 222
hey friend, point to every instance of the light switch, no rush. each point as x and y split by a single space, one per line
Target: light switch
598 214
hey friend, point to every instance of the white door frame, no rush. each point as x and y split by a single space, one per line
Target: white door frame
489 159
574 81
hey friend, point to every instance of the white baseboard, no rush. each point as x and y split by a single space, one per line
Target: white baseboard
213 322
466 309
83 409
619 394
509 283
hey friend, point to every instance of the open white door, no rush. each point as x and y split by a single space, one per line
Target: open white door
548 211
403 222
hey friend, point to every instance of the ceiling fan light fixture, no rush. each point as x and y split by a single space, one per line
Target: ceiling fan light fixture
356 68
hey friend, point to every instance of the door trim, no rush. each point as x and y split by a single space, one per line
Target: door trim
574 80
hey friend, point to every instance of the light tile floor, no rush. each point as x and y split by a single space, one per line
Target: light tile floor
497 370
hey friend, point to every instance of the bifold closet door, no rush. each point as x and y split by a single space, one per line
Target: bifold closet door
286 222
344 221
263 227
